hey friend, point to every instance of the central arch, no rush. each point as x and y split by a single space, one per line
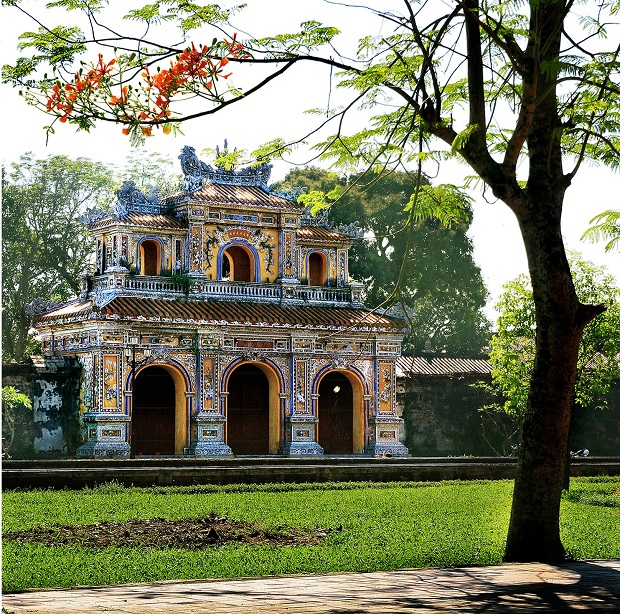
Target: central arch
253 410
340 412
158 412
238 264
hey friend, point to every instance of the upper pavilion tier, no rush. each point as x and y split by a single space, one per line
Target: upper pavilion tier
225 235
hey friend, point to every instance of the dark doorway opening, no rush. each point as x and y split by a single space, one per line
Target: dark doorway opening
335 414
150 252
237 264
248 411
317 269
153 414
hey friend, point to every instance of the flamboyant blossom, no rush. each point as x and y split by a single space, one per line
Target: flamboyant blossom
146 103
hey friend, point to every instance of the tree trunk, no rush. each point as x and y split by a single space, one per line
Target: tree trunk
534 532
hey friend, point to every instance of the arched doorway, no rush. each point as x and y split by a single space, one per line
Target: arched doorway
252 410
150 257
237 264
153 418
337 428
317 269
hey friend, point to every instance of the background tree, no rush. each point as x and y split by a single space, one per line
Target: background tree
14 404
44 246
442 286
513 345
493 82
149 169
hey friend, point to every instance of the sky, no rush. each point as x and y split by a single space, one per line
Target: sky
279 112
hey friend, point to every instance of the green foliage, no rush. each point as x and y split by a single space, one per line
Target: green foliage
13 402
189 15
606 227
183 281
312 34
12 398
513 346
441 285
274 149
44 247
226 159
384 526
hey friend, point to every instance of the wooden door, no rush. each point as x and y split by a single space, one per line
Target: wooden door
335 413
248 411
153 415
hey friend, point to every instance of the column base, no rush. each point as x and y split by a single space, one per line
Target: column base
302 448
216 449
384 436
98 449
387 450
208 436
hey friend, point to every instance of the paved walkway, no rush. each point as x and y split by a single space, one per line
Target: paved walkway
585 586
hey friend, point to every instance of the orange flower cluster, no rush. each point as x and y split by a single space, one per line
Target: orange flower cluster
63 99
235 49
192 66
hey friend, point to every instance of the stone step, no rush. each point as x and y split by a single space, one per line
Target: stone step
73 473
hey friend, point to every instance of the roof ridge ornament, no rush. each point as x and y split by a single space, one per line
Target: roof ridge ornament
129 200
132 200
196 172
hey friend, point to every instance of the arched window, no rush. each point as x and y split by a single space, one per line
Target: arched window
238 264
150 257
317 269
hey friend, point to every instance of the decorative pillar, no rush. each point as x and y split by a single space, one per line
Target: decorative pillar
209 427
208 435
384 426
300 423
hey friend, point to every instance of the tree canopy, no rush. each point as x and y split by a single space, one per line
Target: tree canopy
442 288
513 345
44 246
494 83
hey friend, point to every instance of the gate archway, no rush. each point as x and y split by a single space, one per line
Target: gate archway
238 264
253 410
340 410
158 412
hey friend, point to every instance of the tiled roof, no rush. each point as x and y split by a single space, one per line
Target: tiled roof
80 309
316 234
145 220
222 312
441 366
250 196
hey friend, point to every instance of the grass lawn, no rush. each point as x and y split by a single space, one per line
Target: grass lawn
383 526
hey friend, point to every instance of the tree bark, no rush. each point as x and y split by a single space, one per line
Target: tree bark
534 532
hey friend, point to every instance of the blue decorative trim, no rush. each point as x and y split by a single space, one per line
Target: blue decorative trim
220 257
161 245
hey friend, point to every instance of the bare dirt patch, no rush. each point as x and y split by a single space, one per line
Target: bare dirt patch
187 534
